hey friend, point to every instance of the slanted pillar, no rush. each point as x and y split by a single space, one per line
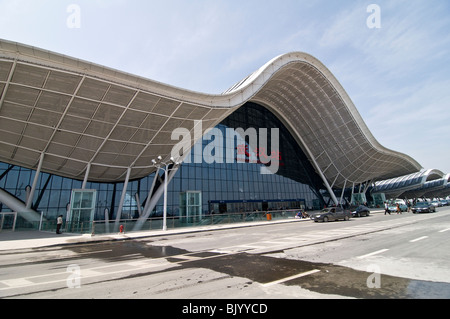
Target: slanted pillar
343 190
86 175
154 200
122 198
36 178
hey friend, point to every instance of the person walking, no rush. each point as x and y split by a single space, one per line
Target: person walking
386 208
59 222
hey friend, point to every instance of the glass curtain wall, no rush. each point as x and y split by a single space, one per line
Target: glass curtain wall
295 180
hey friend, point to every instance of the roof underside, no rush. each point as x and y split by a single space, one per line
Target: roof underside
83 115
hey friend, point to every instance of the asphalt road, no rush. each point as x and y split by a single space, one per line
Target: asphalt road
380 256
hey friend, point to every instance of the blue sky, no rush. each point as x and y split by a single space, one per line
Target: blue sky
398 76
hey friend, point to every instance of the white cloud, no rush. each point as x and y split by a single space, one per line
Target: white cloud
417 122
398 76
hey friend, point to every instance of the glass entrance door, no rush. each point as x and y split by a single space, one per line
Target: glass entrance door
191 206
82 210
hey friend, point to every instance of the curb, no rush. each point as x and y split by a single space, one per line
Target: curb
18 244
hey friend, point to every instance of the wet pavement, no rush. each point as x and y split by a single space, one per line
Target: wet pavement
329 279
231 261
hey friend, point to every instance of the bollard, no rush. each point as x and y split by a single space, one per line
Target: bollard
93 229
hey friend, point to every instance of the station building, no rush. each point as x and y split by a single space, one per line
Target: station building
91 143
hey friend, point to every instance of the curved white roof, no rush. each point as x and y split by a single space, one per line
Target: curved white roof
80 114
399 185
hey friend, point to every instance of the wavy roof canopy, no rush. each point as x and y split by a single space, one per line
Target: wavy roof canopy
81 114
408 184
434 188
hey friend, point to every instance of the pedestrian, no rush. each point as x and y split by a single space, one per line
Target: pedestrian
386 208
59 222
398 209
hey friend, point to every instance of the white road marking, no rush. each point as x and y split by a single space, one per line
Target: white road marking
303 274
85 273
186 258
444 230
374 253
18 282
95 252
417 239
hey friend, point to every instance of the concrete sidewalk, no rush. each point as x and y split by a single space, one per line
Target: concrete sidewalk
10 240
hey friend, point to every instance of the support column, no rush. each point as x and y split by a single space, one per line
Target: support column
138 203
86 175
36 178
318 170
366 187
122 198
147 202
343 190
333 197
154 200
351 196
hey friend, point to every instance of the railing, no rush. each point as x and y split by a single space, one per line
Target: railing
8 221
156 223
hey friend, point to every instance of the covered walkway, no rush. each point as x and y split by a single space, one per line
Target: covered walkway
414 185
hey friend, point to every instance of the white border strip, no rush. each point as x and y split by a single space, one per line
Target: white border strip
303 274
374 253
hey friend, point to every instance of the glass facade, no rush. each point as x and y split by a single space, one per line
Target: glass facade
225 185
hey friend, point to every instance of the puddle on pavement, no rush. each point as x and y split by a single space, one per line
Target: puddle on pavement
331 279
126 250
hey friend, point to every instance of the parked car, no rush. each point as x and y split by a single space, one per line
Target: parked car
423 207
361 211
444 202
331 214
393 208
436 203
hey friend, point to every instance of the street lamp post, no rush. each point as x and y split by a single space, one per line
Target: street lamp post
157 163
165 198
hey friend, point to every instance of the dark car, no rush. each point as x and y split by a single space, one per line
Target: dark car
361 211
331 214
423 207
